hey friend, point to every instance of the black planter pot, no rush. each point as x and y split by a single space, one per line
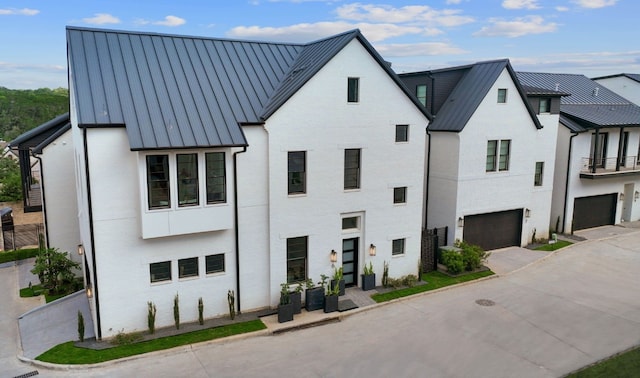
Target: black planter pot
341 283
330 303
314 299
296 301
285 313
368 281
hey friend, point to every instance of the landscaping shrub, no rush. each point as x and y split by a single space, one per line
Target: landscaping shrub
453 261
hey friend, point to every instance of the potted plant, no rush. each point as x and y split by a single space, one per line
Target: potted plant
313 296
338 280
296 299
368 278
285 308
331 295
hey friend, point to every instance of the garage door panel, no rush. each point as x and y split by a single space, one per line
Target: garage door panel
594 211
494 230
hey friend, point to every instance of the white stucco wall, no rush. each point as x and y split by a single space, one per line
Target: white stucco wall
443 181
623 86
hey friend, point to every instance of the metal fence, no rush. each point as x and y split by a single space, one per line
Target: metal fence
21 235
432 240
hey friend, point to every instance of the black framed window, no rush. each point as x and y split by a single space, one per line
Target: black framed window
297 259
353 89
537 180
158 191
187 169
397 247
600 156
502 95
492 150
296 166
625 145
400 194
544 106
421 94
352 168
160 271
188 267
214 263
503 162
402 133
498 152
216 177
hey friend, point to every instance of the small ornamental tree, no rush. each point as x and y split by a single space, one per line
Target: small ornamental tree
80 326
55 271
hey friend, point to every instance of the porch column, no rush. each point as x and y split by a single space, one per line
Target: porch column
595 150
620 149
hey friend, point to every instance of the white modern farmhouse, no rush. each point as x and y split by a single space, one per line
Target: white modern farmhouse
206 165
597 173
491 153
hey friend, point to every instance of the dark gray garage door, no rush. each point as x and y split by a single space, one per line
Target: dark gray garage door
494 230
594 211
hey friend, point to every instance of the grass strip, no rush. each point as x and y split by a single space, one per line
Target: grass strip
554 246
623 365
435 280
67 353
37 290
19 254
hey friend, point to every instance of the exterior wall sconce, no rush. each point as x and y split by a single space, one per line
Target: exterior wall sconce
636 195
372 249
527 213
89 291
333 256
621 197
80 249
460 222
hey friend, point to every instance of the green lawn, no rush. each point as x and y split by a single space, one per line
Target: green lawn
552 247
37 290
19 254
67 353
624 365
435 280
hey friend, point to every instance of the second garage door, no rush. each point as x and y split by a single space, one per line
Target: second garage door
594 211
494 230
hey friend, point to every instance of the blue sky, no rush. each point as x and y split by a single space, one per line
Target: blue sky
590 37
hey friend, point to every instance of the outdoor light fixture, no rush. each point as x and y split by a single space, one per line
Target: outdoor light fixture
372 250
460 222
636 195
80 249
527 213
89 291
621 196
333 256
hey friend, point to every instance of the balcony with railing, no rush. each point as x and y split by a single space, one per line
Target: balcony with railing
609 167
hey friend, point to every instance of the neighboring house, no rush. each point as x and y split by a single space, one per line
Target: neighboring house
206 165
51 145
491 154
597 173
626 85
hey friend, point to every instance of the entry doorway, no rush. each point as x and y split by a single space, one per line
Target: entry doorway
350 261
627 203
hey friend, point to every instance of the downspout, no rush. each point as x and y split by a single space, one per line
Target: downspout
566 185
44 202
93 244
237 232
595 150
426 189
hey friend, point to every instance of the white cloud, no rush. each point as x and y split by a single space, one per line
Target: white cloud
406 14
101 19
418 49
520 4
517 28
562 9
449 2
19 12
171 21
594 3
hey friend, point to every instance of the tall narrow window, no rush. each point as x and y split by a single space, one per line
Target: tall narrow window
296 259
297 172
600 156
503 163
402 133
498 155
492 148
623 153
502 95
544 106
158 181
421 94
216 177
537 179
187 169
353 90
397 247
352 168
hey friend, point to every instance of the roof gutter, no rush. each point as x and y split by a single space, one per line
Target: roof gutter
236 225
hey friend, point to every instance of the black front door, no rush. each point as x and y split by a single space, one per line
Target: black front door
350 261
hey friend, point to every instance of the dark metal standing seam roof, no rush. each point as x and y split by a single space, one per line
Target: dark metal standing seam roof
41 136
634 77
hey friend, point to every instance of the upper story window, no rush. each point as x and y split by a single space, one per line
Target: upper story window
353 89
544 106
216 177
421 94
158 181
352 168
598 151
397 247
537 178
402 133
296 167
187 179
502 95
400 194
498 155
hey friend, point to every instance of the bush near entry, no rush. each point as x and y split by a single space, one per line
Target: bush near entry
469 258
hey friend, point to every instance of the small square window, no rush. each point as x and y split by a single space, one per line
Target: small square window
350 223
188 267
160 271
402 133
537 180
544 105
397 247
353 89
502 95
400 194
214 263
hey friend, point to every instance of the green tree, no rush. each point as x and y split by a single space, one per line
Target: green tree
56 271
10 182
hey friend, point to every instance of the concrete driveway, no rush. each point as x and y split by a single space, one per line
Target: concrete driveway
549 318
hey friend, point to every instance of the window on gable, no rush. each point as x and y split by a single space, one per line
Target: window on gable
216 177
544 106
421 94
188 267
352 168
397 247
402 133
187 165
353 90
400 194
158 181
297 259
537 179
502 95
296 167
160 271
214 263
498 155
